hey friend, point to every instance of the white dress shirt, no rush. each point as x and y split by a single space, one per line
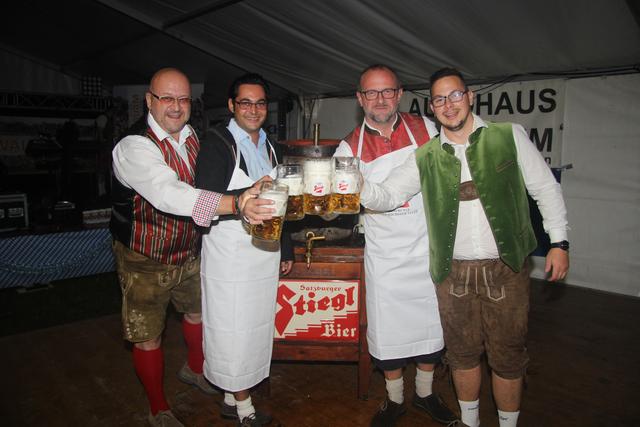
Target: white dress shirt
474 239
139 164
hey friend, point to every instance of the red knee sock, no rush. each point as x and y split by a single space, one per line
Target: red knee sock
193 336
149 366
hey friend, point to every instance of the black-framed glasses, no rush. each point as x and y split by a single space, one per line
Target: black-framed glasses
453 97
247 105
372 94
169 100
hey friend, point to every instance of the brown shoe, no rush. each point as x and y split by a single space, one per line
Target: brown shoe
164 419
186 375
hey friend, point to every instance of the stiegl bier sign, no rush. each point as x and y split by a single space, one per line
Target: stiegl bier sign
313 310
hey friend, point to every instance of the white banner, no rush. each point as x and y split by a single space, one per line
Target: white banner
536 105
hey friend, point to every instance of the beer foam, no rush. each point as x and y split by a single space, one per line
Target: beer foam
280 200
317 176
317 167
294 183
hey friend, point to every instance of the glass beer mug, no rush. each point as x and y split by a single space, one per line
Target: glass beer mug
291 176
271 229
345 186
317 186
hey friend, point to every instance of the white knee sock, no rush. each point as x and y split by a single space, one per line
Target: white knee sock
424 381
245 408
229 399
470 412
395 389
508 419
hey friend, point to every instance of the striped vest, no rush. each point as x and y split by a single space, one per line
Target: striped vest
163 237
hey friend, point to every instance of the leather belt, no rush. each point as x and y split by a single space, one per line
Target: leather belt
468 191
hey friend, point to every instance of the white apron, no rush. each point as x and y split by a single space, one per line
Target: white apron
239 283
402 309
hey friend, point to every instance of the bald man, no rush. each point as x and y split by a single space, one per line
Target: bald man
156 245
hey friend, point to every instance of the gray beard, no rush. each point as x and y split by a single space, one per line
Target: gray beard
381 120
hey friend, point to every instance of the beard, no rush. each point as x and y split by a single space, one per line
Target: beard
381 118
455 127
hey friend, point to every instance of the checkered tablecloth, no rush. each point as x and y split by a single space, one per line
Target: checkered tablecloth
28 260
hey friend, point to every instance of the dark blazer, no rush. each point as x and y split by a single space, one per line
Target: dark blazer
218 151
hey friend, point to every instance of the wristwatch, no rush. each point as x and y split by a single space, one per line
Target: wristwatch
564 245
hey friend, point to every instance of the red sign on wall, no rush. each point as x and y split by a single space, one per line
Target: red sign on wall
312 310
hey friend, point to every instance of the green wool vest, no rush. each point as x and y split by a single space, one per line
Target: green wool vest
494 169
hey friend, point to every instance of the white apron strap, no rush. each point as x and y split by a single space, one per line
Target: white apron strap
411 138
362 130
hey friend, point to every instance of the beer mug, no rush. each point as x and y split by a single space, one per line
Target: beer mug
317 186
345 186
291 176
271 229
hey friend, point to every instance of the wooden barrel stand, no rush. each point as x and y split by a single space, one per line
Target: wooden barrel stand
332 263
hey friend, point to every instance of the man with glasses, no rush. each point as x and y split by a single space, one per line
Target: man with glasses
402 310
156 245
239 280
474 178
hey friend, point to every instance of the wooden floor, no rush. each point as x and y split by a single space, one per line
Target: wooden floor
584 346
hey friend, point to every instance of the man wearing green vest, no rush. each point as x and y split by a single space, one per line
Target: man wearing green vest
474 179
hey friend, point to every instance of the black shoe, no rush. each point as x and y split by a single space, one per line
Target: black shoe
255 420
250 421
435 407
388 414
230 413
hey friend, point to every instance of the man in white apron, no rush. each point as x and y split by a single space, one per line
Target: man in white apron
475 177
153 195
239 280
402 310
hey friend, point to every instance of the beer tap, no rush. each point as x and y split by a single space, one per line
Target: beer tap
316 134
310 238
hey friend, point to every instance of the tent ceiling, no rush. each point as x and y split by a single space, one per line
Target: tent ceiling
319 46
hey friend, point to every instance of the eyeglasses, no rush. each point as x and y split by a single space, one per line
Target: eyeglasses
169 100
455 96
372 94
247 105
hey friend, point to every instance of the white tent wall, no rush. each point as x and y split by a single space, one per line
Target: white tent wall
602 191
337 116
601 138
